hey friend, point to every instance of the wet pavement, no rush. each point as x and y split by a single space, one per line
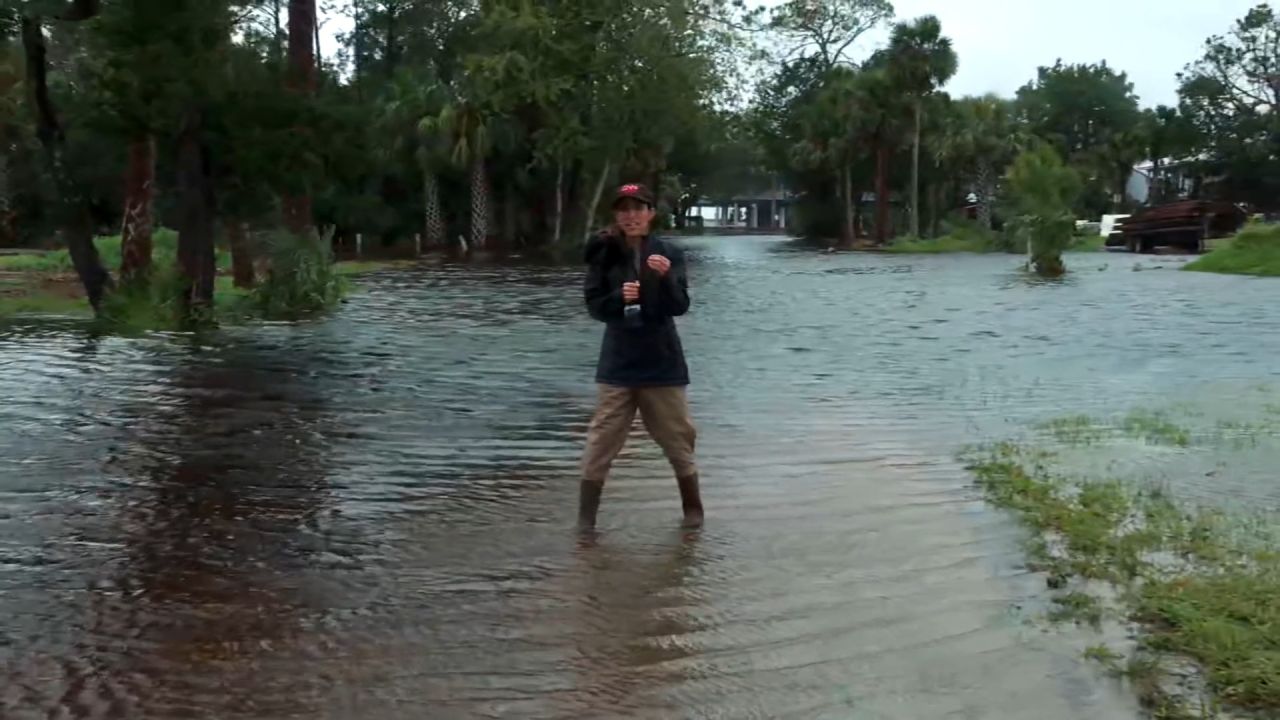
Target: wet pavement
370 516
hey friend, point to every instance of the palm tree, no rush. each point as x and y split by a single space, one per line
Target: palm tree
979 140
463 125
882 119
414 100
920 60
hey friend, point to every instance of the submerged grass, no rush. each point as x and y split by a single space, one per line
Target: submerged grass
1159 427
954 243
42 303
362 267
307 281
1092 242
1255 251
968 237
1201 583
1156 428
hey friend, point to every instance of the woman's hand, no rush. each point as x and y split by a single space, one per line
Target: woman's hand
659 264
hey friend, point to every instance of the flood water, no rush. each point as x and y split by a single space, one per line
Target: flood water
371 516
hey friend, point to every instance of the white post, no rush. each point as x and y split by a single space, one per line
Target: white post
359 245
417 244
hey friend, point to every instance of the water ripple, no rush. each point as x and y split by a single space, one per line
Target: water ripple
369 516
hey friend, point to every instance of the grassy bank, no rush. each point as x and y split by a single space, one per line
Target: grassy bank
164 253
1255 251
1199 584
953 243
973 240
46 284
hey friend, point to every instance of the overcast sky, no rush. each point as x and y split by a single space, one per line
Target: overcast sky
1001 42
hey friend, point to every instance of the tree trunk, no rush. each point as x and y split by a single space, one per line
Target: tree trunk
479 203
858 224
915 172
510 212
196 216
846 190
278 54
433 221
135 232
241 254
315 28
358 31
77 225
301 79
389 45
595 200
986 190
882 193
6 219
935 201
558 220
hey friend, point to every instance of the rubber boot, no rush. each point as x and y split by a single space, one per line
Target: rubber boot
588 504
690 501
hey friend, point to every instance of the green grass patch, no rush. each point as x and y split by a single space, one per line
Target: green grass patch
156 305
164 253
1147 425
1228 622
1101 653
945 244
1075 430
967 238
303 281
43 303
1078 607
1255 251
1092 242
962 236
1201 582
1155 428
363 267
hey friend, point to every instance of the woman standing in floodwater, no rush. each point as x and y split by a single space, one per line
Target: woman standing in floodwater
636 285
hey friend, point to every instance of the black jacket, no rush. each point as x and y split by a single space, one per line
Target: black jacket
650 355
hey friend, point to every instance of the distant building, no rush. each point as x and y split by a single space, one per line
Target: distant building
1176 179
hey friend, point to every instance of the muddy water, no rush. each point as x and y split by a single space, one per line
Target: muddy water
369 517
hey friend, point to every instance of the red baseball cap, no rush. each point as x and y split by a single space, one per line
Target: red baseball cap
633 191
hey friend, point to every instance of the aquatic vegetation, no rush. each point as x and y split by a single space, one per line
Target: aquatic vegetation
1200 582
1155 428
1075 430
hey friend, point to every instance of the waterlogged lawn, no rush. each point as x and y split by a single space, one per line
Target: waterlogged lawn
46 285
1255 251
1199 580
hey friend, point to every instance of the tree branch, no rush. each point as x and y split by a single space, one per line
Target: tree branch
727 23
48 129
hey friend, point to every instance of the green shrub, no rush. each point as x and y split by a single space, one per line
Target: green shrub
1042 191
302 279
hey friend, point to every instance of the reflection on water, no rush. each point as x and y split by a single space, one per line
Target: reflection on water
370 516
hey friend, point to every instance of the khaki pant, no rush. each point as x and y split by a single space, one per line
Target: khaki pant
665 411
